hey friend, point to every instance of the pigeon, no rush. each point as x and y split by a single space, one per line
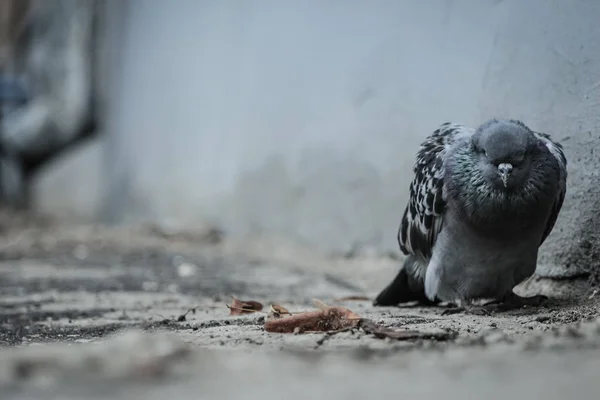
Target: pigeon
481 203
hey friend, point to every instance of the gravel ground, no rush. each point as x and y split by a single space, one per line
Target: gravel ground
144 309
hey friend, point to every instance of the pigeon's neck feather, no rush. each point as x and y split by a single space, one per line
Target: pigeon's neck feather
491 210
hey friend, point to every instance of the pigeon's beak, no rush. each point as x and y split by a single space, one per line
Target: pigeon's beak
504 170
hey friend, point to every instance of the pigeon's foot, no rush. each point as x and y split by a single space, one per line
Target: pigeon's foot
467 309
513 301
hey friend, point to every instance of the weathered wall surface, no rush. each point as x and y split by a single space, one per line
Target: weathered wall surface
545 68
303 118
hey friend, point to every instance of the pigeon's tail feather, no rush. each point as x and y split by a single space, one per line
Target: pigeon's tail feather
404 288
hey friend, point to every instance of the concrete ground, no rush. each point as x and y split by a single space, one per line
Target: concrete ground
140 312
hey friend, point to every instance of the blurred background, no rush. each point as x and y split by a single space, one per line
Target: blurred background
297 119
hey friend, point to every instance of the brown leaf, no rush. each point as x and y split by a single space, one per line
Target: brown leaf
353 298
239 307
382 332
324 320
278 310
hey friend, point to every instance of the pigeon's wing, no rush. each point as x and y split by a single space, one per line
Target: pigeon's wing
422 219
557 152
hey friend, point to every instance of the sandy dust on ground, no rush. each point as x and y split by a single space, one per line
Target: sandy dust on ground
144 309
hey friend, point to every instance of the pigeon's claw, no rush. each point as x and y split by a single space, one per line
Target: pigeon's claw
470 309
513 301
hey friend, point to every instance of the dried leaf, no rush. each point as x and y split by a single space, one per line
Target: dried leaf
319 304
239 307
382 332
324 320
278 310
353 298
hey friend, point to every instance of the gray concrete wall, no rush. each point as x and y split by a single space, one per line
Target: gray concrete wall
302 118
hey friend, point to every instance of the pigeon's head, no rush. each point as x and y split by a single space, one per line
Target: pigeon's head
504 151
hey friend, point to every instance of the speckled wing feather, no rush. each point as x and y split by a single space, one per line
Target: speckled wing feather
422 219
556 150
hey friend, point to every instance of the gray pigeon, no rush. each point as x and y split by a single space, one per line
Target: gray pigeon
481 203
